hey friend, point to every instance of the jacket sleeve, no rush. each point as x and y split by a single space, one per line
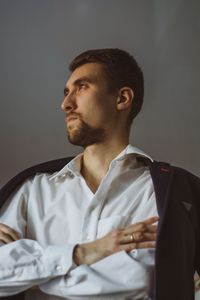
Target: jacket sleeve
25 263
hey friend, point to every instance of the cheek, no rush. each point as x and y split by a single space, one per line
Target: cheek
99 116
96 109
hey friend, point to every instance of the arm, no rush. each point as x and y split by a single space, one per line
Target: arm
34 264
136 236
24 262
110 269
118 274
111 265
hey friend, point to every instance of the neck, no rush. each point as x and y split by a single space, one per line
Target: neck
97 158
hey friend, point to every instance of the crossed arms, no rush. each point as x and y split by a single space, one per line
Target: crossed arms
99 263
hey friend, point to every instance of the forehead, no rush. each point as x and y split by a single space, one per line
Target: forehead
93 71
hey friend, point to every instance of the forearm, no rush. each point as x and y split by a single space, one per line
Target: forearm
118 273
25 263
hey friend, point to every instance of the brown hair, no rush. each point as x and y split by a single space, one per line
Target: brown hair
121 69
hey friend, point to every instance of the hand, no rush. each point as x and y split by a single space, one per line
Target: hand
135 236
196 282
7 234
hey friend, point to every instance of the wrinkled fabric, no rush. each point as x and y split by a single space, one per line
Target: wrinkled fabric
53 213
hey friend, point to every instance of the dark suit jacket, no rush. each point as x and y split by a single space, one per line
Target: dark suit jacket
178 241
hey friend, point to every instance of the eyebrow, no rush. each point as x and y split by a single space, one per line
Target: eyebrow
79 81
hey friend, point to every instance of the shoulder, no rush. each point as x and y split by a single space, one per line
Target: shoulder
178 173
23 178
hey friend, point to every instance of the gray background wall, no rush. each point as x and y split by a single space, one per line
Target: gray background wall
39 37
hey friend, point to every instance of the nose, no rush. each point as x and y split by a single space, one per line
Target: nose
68 103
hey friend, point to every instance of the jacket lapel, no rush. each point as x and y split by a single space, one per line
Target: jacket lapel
161 174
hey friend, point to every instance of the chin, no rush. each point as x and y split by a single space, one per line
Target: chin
85 135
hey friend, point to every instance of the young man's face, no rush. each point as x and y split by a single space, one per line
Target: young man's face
89 105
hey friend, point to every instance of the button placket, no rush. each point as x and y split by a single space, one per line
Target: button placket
93 212
89 222
91 218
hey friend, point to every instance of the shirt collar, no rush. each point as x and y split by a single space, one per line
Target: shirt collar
73 167
132 150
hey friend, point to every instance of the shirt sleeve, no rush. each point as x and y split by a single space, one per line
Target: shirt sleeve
25 263
128 274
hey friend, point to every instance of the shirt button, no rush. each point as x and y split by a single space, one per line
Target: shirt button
58 268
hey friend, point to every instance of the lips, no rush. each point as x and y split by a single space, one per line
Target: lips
70 118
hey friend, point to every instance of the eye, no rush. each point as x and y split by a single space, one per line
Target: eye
82 86
66 92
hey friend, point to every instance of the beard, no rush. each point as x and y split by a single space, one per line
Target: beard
84 135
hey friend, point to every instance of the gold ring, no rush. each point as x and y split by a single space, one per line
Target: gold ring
132 237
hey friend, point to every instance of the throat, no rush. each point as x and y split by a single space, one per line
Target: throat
93 174
93 184
92 181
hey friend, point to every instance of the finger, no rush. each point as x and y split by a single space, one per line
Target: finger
148 221
9 231
135 228
197 285
5 238
151 220
149 237
13 234
151 228
138 237
145 245
133 246
140 227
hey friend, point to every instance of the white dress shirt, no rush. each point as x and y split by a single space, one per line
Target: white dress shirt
55 212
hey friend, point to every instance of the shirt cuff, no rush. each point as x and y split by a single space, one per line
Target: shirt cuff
58 260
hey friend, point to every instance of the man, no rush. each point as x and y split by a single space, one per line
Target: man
88 230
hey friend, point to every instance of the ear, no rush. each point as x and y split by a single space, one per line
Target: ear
125 98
